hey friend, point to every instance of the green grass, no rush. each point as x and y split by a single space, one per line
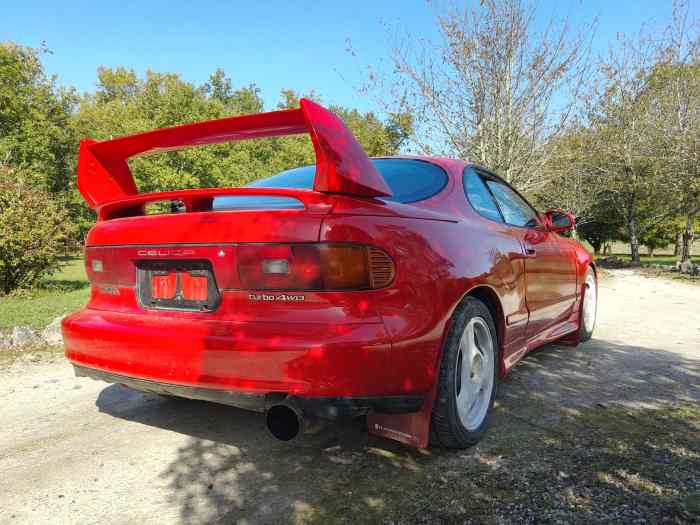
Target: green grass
63 292
656 259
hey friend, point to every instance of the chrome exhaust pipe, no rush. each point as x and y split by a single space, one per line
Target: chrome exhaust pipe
285 420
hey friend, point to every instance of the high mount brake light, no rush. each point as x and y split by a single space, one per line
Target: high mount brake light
313 267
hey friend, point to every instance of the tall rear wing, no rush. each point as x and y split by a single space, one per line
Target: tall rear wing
342 166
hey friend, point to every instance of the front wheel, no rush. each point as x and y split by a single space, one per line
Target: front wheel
589 306
467 381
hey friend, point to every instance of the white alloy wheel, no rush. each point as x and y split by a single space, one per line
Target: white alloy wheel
474 373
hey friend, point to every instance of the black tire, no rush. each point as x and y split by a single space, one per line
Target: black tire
585 333
446 428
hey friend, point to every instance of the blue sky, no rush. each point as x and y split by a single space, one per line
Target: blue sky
274 44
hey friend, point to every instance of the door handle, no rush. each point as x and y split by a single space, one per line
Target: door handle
530 252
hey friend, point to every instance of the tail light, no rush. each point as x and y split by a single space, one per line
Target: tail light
313 267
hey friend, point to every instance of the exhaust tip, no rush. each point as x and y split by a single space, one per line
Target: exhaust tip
284 422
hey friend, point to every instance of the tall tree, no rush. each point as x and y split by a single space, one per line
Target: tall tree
675 86
35 136
626 130
493 90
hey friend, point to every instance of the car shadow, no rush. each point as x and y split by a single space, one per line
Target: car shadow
231 470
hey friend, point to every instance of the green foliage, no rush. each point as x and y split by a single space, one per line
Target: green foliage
604 224
35 131
35 230
40 126
659 235
124 103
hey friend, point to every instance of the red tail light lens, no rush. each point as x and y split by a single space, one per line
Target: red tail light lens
194 286
163 285
313 267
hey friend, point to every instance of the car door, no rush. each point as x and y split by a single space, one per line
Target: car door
550 270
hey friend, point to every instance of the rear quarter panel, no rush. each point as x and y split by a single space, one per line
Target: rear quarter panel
437 264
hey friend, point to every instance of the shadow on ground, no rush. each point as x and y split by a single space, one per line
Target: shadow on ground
605 433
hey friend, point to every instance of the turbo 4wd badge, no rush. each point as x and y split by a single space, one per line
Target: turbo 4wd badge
275 297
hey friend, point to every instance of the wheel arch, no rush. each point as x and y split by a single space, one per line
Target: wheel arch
489 297
593 266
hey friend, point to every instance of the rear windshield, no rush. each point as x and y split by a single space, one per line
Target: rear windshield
409 180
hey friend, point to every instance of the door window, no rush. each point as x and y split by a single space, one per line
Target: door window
516 210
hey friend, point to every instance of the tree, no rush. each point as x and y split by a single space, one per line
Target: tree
572 183
626 140
675 83
492 90
603 223
35 232
659 235
35 135
125 103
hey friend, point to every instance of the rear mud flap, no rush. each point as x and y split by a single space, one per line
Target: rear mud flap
410 429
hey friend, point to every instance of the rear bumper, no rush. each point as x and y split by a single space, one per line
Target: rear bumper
218 360
324 407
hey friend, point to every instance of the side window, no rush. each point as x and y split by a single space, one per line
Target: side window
479 196
515 209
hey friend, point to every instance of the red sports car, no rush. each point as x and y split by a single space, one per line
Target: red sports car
397 288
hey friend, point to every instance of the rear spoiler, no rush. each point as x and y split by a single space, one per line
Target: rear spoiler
342 166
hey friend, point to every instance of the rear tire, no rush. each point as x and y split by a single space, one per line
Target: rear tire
589 306
467 380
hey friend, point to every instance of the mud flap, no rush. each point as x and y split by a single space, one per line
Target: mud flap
410 429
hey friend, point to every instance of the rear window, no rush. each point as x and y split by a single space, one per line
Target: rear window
409 180
256 202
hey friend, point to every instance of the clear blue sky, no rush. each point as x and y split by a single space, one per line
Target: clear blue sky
275 44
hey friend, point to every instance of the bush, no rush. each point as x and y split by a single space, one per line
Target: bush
35 231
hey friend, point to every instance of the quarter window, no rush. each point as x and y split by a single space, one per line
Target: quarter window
479 196
516 211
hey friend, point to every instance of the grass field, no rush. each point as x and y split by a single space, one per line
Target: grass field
623 248
656 259
63 292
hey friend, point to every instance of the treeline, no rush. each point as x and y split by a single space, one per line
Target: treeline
615 139
630 166
42 215
41 125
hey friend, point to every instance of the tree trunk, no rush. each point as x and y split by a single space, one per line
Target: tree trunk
688 236
634 240
677 244
596 247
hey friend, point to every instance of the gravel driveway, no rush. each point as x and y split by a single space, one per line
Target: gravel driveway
606 432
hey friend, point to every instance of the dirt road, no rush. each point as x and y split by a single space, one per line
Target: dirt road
605 432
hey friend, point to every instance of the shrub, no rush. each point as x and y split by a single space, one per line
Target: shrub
34 231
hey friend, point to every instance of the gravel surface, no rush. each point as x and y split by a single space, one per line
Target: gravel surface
608 432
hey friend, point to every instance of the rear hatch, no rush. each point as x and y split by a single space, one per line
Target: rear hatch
182 259
261 246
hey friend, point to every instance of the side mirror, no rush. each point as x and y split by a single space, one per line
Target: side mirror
559 221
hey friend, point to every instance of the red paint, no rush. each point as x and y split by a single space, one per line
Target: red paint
381 342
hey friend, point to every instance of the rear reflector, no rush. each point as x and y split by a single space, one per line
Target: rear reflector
381 268
313 267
